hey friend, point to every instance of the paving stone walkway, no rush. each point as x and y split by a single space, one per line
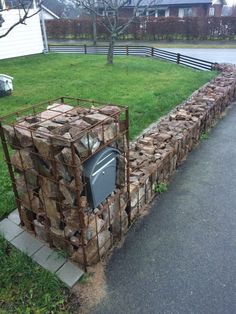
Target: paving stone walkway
181 258
69 273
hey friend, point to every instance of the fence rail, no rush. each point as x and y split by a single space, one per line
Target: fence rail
178 58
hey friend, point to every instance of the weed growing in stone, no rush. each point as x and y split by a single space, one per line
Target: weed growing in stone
161 187
204 136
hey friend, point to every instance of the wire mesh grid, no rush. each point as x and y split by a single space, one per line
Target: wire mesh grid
46 148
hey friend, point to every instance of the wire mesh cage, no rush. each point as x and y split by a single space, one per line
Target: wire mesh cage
47 147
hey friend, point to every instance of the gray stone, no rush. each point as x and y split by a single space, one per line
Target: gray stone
24 136
26 243
60 107
48 259
110 110
9 229
22 159
14 217
69 273
97 117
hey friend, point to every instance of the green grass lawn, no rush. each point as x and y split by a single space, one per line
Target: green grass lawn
26 288
150 88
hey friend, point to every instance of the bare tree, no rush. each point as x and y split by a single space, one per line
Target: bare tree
233 10
109 13
25 12
91 15
94 19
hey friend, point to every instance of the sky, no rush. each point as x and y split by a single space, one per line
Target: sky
231 2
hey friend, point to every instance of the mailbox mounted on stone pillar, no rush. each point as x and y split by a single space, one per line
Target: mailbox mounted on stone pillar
67 153
100 172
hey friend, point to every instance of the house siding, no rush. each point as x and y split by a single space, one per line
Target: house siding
176 10
23 39
218 9
48 16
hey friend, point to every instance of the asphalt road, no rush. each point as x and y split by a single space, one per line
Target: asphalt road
181 258
213 55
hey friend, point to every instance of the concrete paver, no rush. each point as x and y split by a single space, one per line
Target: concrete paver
26 243
14 217
180 259
9 229
69 273
48 259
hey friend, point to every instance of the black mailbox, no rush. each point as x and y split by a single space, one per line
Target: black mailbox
100 174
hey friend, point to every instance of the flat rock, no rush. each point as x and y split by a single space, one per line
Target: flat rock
110 110
43 146
60 107
22 159
48 124
11 136
24 136
96 117
48 114
68 192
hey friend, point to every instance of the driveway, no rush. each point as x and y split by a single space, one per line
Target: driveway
181 258
213 55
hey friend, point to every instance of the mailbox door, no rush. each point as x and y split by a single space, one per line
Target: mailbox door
103 181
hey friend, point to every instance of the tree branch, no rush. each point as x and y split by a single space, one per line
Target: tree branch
111 22
24 8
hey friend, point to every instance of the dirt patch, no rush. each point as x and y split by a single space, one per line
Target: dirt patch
91 290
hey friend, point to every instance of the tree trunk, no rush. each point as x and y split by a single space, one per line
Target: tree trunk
94 30
111 50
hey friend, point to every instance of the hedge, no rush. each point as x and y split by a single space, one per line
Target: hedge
171 28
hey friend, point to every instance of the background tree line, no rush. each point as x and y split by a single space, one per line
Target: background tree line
171 28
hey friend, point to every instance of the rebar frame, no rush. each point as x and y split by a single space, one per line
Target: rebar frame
47 171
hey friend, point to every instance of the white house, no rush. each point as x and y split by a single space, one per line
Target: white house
49 14
24 39
59 9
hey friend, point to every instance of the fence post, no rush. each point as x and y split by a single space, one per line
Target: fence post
85 49
127 50
178 58
152 52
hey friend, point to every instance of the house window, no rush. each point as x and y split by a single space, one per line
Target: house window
161 13
141 13
212 11
185 12
151 13
109 13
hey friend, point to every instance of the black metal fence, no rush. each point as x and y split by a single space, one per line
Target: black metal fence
137 51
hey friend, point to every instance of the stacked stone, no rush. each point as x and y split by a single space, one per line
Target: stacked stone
49 150
157 152
46 167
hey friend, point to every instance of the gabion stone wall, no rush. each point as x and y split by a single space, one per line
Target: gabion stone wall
156 154
48 161
51 143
